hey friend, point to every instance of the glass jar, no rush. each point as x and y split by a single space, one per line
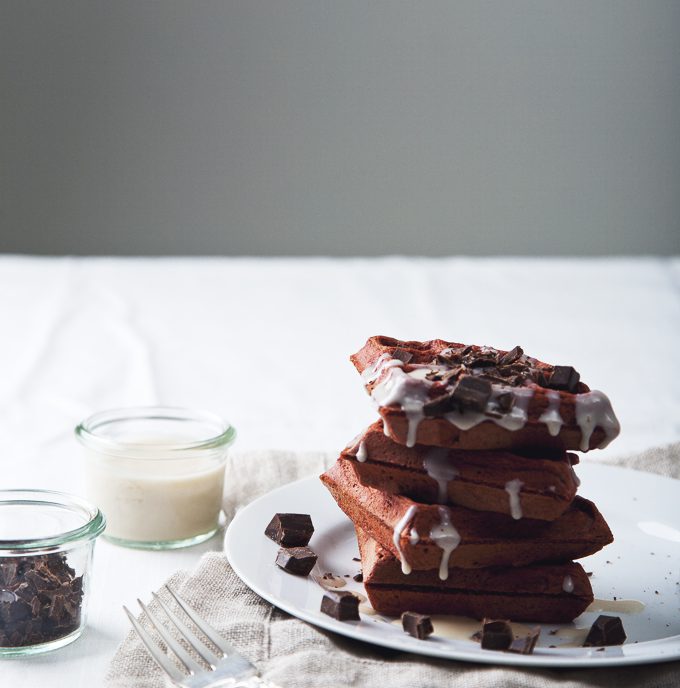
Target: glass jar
46 544
157 473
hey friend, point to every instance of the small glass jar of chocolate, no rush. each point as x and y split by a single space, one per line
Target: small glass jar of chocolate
46 544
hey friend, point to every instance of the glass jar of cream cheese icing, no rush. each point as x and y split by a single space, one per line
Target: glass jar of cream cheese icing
157 473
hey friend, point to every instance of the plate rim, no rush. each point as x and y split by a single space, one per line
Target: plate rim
405 643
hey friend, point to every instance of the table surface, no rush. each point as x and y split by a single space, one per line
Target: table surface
265 343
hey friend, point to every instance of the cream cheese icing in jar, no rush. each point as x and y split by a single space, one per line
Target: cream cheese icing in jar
157 473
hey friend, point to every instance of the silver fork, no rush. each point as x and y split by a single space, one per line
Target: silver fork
226 669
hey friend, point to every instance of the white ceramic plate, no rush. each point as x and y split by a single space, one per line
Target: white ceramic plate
643 563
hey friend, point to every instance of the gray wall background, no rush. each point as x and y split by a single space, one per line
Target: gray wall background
351 127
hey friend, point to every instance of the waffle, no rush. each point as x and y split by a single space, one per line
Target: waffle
435 537
537 485
549 593
469 397
463 494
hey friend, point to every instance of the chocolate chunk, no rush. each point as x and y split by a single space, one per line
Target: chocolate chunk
417 625
297 560
290 530
606 630
358 577
505 401
494 375
471 394
40 599
524 645
496 634
450 374
482 362
564 378
511 356
341 605
440 404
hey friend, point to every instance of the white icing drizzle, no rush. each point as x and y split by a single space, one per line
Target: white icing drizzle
421 373
551 416
514 419
373 372
577 480
467 420
438 466
409 392
358 447
568 584
414 538
446 537
512 487
593 409
517 417
401 524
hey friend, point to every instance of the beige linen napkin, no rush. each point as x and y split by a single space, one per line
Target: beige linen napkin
294 654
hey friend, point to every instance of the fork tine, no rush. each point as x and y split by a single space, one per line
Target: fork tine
189 662
154 650
208 655
209 631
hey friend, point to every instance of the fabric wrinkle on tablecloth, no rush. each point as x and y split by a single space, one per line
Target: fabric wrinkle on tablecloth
292 653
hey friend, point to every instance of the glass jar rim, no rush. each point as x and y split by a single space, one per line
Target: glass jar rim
94 525
86 431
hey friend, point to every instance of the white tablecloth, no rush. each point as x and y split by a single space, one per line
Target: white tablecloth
265 343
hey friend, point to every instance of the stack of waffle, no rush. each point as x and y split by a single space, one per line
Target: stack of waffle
463 494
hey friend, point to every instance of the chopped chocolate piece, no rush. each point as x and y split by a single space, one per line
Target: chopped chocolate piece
565 378
341 605
440 404
505 401
356 559
297 560
511 356
524 645
417 625
40 599
402 355
606 630
493 375
447 357
358 577
290 530
496 634
482 362
471 394
451 374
